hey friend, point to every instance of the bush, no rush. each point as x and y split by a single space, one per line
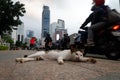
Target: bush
18 44
2 47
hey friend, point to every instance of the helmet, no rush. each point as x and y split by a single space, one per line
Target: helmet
98 2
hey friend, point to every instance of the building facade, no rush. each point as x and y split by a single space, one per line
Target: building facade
59 33
57 30
45 20
60 30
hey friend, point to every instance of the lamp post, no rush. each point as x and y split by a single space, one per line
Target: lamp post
119 3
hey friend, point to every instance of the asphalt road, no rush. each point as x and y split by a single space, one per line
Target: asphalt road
104 69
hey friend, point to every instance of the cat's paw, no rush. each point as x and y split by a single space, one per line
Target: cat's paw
22 61
60 62
39 58
17 59
92 60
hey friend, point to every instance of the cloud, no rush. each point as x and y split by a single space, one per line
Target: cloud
114 4
73 12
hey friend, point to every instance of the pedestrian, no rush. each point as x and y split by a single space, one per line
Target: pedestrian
48 42
32 42
65 41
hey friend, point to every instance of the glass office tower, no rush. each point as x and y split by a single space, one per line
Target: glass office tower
45 20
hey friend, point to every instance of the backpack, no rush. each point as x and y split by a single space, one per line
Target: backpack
48 39
113 15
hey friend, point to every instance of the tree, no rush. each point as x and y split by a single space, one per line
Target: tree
10 13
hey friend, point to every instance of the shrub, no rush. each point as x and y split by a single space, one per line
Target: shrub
2 47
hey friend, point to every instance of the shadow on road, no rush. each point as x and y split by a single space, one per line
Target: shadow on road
99 56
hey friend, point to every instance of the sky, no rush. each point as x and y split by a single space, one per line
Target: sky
73 12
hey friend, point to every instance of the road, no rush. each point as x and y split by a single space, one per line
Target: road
104 69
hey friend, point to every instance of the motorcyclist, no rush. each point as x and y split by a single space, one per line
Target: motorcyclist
98 19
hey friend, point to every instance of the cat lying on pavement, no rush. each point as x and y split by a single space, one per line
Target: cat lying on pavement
59 55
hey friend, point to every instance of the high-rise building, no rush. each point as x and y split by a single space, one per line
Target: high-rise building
45 20
18 33
30 33
53 26
61 23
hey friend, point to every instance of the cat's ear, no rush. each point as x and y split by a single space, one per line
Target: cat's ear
73 48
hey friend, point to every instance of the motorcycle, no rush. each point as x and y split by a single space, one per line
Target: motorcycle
107 42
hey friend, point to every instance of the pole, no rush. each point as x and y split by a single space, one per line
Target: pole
119 3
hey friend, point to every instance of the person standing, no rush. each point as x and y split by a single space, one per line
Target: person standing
65 41
48 42
32 42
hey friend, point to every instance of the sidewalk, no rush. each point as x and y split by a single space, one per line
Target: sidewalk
51 70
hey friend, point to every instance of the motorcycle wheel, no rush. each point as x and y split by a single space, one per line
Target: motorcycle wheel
113 55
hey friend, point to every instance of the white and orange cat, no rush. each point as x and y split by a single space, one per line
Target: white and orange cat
59 55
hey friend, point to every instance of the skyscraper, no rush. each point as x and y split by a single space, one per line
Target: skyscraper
30 33
61 23
18 33
45 20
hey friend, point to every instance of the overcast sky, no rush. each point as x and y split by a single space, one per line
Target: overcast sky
73 12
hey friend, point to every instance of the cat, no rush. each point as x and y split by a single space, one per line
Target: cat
59 55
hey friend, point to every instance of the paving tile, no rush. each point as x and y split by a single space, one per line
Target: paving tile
51 70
